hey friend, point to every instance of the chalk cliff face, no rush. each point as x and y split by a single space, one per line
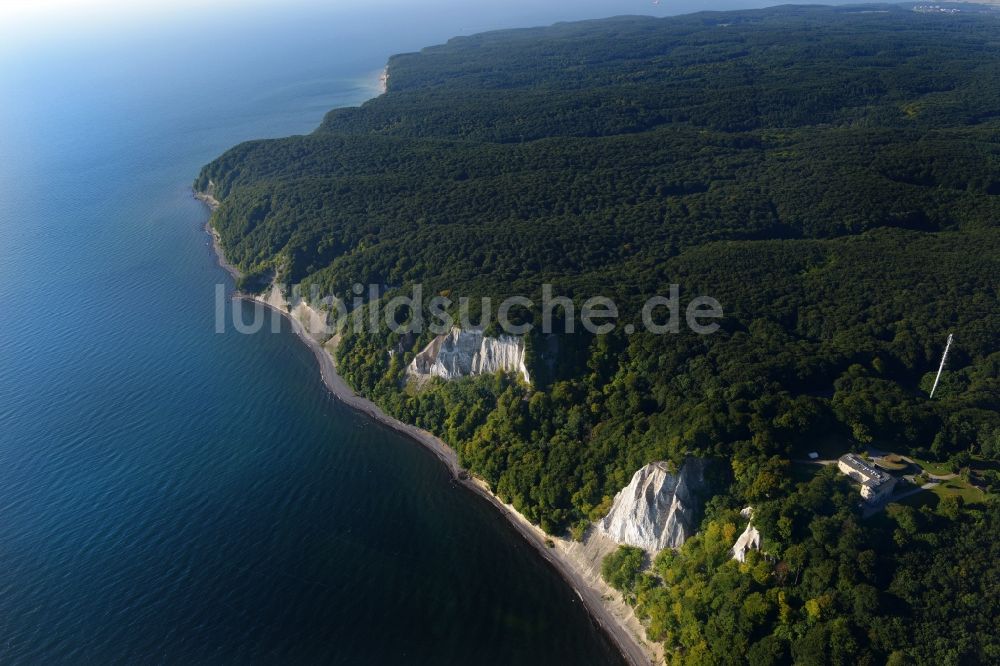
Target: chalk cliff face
657 509
464 353
749 540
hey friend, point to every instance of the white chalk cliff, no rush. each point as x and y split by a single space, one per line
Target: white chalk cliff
657 509
749 540
464 353
315 322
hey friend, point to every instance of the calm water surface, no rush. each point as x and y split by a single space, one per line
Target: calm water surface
169 495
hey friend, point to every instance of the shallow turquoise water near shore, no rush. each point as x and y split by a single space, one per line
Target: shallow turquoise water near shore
169 495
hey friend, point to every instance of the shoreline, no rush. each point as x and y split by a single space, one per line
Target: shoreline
212 204
635 650
578 564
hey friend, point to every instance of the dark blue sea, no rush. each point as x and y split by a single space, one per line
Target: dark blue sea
171 495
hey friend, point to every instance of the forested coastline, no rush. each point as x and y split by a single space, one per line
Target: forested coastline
831 176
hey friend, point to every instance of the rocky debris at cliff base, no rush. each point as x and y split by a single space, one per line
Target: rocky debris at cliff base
315 321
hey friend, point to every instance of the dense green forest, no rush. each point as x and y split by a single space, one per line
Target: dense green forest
830 175
909 586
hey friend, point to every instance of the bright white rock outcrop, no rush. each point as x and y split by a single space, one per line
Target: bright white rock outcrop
465 353
657 509
749 540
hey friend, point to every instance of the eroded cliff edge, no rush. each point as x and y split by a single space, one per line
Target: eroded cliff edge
467 353
659 508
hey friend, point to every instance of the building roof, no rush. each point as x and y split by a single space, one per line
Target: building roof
871 476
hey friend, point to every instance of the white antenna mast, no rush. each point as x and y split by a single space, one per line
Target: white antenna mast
944 357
